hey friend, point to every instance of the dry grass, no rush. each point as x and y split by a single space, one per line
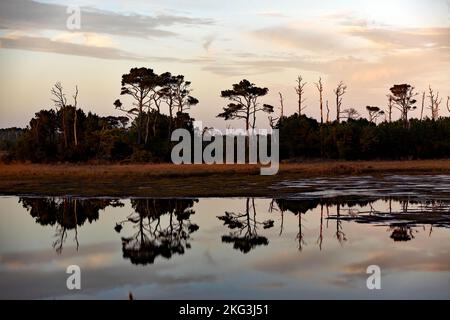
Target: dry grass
186 180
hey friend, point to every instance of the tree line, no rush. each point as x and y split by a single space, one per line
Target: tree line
157 104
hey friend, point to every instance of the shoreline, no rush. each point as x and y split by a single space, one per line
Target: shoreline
168 180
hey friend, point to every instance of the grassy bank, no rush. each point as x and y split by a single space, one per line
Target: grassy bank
166 180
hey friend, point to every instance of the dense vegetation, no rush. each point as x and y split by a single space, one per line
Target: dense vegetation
303 137
67 134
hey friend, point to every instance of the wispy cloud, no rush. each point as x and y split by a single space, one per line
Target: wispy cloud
26 14
42 44
271 14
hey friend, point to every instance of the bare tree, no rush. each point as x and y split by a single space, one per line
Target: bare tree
390 107
448 105
75 117
328 112
60 101
351 113
300 92
423 104
272 120
339 92
281 105
319 87
435 103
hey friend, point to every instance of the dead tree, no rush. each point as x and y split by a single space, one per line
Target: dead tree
272 120
319 87
448 105
339 92
328 112
281 105
75 116
60 101
300 92
435 103
390 108
423 104
351 114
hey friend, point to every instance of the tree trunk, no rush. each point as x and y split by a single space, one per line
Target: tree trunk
321 108
63 111
423 103
338 110
147 127
75 119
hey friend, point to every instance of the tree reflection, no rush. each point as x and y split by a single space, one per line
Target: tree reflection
401 233
163 229
65 214
244 235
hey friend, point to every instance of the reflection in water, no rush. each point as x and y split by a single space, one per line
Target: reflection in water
66 213
244 226
155 236
163 227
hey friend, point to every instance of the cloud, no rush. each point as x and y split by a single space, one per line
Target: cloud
42 44
91 46
405 38
208 42
26 14
88 39
271 14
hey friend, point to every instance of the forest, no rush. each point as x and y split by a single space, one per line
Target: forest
162 102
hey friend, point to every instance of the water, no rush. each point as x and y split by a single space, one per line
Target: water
316 243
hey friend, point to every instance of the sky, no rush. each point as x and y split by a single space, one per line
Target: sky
370 45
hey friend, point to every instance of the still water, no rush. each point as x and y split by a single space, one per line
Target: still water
317 242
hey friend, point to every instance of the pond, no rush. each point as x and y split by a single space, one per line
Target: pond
317 242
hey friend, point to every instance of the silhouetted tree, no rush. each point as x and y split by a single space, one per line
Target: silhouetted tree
67 213
60 101
340 90
319 87
139 84
246 237
435 103
374 113
403 99
245 105
157 237
300 90
351 113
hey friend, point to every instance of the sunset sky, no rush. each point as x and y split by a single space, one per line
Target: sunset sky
370 45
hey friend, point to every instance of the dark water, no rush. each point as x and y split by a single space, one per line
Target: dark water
315 243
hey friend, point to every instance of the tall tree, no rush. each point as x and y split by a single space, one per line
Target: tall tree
175 91
138 84
300 90
244 96
340 90
75 116
319 87
423 105
403 97
328 112
435 103
390 104
60 101
448 104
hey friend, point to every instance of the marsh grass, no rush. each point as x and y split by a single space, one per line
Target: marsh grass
186 180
